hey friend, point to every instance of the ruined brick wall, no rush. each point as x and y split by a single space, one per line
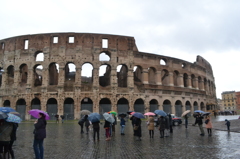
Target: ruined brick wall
142 81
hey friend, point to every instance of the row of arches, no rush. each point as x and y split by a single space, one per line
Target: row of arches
71 109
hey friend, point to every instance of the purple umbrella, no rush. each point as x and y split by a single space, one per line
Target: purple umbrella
35 113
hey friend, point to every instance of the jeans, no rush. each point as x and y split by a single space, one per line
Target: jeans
38 148
122 129
96 131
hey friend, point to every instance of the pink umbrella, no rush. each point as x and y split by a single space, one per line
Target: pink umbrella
35 113
132 113
149 113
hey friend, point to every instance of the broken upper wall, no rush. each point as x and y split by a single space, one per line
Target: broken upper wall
204 63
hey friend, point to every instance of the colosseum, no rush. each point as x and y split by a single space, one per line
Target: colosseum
64 73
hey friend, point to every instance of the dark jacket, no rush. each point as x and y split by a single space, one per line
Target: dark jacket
40 129
227 123
14 131
122 121
162 123
138 132
107 124
167 123
81 121
5 131
199 119
96 125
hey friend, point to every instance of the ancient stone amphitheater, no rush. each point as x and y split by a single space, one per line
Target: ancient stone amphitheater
64 73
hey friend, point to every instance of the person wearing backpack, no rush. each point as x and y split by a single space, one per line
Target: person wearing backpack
208 123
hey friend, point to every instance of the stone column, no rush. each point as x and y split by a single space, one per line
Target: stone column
173 109
189 82
171 83
180 80
145 76
196 83
159 77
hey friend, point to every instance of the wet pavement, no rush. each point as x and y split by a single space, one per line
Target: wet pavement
64 141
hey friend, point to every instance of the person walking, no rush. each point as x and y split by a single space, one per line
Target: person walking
39 136
150 124
137 128
6 129
87 123
107 128
228 124
96 129
167 126
161 123
62 117
81 123
13 138
57 118
198 121
122 124
186 120
170 122
208 123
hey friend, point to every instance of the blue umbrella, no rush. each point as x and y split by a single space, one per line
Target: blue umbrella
3 115
199 111
13 118
138 115
160 112
7 109
94 117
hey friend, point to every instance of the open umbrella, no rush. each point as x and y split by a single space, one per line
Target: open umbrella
129 112
122 115
108 117
7 109
85 112
3 115
15 113
113 112
199 111
132 113
35 113
149 113
160 112
13 118
94 117
186 112
206 113
138 115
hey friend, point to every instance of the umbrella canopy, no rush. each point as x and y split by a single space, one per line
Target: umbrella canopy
138 115
13 118
186 112
85 112
35 113
206 113
94 117
113 112
3 115
15 113
122 115
129 112
132 113
160 112
149 113
199 111
7 109
108 117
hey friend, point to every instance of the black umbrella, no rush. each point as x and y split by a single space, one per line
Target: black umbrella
122 115
3 115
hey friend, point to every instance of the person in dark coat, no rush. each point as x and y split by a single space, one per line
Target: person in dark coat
122 124
137 128
170 123
186 120
57 118
107 126
228 124
62 117
167 126
5 137
113 124
162 125
199 121
81 123
13 138
87 123
39 136
96 129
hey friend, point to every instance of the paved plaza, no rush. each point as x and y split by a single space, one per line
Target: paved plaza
64 141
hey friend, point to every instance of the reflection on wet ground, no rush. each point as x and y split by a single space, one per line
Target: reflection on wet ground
65 141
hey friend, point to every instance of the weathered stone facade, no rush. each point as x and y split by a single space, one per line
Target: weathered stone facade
143 83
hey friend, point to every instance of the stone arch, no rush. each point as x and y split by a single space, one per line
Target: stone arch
139 106
200 83
87 104
21 108
105 76
138 74
7 103
37 75
68 108
178 108
165 77
167 106
87 73
202 106
153 105
105 56
152 75
23 69
35 104
122 105
163 61
205 85
175 78
39 56
53 73
10 75
193 81
104 105
70 73
188 105
195 105
122 76
185 80
52 107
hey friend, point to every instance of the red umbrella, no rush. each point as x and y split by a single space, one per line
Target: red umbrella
149 113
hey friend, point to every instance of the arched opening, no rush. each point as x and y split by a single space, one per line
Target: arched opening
188 105
86 104
53 74
167 106
193 81
175 78
200 83
139 106
165 77
185 80
70 72
86 74
104 106
105 75
38 71
21 108
202 106
104 56
6 103
52 107
68 109
23 74
122 105
151 75
122 74
153 105
35 104
10 75
195 106
137 72
39 56
163 62
178 108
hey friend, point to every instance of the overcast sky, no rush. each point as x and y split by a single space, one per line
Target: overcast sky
179 28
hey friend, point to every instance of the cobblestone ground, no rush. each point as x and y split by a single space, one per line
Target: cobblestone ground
64 141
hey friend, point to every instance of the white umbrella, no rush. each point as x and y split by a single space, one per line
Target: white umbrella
85 112
108 117
184 113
